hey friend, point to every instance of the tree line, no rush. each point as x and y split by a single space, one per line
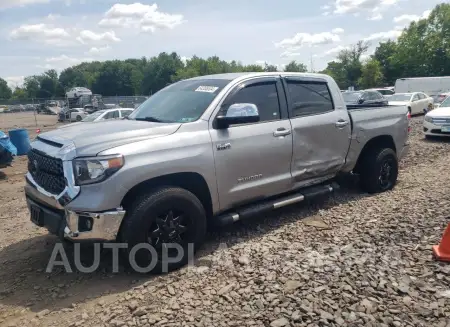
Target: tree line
423 49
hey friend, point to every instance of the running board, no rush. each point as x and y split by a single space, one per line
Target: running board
265 206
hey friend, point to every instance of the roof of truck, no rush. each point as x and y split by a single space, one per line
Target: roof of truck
233 76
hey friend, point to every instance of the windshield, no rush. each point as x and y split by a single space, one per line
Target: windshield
351 96
400 97
385 92
446 102
93 116
181 102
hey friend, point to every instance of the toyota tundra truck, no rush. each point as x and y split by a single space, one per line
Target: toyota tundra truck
209 150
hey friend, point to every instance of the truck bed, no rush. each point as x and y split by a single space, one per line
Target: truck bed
370 122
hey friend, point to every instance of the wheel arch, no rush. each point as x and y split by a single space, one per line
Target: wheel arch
193 182
382 141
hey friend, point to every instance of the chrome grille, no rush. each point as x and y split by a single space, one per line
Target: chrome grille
46 171
441 121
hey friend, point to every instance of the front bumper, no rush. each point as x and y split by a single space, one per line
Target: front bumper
431 129
68 224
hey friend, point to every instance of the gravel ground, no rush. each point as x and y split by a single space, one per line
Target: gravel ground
347 260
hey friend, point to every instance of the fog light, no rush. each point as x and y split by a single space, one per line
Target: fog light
85 223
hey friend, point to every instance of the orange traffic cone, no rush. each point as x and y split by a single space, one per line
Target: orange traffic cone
442 251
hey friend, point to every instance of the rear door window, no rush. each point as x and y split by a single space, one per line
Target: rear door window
309 98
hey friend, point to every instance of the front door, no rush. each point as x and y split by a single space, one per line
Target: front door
321 131
416 104
253 160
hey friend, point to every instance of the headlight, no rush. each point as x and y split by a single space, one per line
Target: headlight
428 119
96 169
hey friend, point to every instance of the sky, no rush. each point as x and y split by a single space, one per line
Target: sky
37 35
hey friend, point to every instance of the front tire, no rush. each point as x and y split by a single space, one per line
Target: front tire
379 170
78 118
164 216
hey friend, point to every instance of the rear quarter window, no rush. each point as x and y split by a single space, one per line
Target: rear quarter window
309 98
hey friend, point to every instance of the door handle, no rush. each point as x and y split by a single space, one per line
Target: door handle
341 123
281 132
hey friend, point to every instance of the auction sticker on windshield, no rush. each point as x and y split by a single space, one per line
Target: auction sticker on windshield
209 89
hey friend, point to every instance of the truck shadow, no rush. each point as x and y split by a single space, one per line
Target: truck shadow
24 281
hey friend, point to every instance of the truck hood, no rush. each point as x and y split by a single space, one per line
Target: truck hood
92 138
439 112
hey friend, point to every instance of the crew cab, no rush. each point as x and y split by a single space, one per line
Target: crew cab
209 150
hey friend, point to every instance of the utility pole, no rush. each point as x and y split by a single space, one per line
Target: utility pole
312 64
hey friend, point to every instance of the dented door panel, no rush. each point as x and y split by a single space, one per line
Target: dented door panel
320 147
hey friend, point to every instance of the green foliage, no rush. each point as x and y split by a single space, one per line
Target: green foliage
294 66
384 54
371 74
5 91
19 94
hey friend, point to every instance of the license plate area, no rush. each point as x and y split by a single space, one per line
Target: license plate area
37 215
445 129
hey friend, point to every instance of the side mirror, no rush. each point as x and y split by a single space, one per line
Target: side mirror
238 113
361 101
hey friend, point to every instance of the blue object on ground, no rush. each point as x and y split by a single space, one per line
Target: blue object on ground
7 144
20 139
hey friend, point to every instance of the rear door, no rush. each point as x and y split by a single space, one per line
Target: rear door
321 132
253 161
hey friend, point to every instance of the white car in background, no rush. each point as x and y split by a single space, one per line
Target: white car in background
416 102
103 115
74 114
107 114
437 122
385 91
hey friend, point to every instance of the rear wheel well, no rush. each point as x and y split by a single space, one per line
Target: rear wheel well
379 142
193 182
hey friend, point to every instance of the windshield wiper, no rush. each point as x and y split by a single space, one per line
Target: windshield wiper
150 119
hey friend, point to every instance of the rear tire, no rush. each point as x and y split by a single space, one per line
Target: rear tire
78 118
379 170
163 216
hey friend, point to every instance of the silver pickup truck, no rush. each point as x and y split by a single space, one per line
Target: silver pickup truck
209 150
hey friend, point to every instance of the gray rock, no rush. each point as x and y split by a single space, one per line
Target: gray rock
244 260
259 304
326 315
139 312
225 289
292 285
133 305
296 316
281 322
170 290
